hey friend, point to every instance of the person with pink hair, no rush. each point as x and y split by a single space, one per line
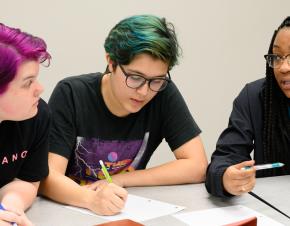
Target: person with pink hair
24 123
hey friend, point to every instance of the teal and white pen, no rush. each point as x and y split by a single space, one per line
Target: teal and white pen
105 172
265 166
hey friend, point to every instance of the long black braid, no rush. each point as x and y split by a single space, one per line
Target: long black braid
276 130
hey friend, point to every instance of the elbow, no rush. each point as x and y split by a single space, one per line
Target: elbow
198 174
44 187
201 173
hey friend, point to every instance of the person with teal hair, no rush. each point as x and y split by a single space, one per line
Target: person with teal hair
120 117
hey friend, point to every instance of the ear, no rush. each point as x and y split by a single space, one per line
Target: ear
109 62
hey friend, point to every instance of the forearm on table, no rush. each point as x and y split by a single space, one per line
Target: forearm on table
61 188
180 171
18 194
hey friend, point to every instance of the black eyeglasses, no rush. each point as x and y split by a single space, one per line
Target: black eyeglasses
135 81
276 61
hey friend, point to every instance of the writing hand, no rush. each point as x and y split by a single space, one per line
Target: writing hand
109 199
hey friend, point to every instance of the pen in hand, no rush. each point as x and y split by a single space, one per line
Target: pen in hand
2 208
105 172
265 166
118 191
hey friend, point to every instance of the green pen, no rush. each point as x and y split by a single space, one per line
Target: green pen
105 172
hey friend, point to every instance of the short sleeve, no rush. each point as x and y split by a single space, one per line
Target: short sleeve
179 125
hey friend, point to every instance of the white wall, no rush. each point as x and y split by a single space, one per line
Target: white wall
223 44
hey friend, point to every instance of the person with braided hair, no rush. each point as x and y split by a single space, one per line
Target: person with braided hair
260 121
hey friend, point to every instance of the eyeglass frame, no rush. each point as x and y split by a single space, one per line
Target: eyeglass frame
149 80
287 57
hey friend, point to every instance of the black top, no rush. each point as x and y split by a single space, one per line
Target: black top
85 131
243 135
24 148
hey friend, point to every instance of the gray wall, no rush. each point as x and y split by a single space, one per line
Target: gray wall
223 45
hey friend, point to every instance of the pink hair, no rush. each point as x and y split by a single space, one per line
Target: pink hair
15 48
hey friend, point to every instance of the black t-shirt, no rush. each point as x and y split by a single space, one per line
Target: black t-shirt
85 131
24 147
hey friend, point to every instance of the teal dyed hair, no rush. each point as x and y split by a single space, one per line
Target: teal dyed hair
143 34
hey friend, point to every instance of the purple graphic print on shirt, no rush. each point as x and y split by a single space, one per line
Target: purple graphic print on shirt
117 156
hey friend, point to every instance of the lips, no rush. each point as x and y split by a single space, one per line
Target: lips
285 84
139 101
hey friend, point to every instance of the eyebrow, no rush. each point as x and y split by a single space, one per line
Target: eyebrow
28 77
140 73
278 47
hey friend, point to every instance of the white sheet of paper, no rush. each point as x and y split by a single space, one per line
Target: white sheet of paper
139 209
224 215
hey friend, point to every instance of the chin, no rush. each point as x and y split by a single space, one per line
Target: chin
287 93
31 114
135 110
34 113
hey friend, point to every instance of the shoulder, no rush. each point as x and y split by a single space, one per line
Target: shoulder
171 88
250 99
80 85
80 80
170 92
42 108
169 97
256 86
43 114
252 91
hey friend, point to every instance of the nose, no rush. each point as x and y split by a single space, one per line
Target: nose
143 90
285 67
38 88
